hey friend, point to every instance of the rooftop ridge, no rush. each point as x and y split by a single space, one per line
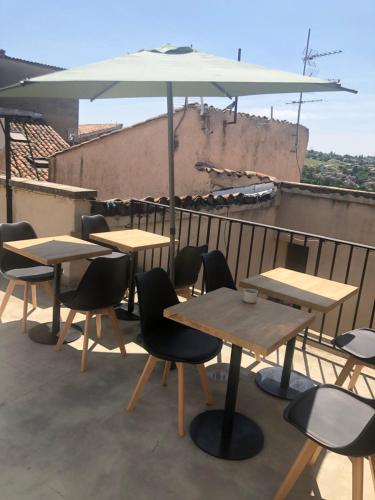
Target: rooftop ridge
206 166
208 201
194 105
3 55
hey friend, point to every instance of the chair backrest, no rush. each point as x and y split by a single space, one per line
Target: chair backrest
103 284
13 232
188 263
93 224
155 293
216 271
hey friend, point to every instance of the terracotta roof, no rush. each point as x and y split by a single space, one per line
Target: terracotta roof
208 202
205 166
90 128
42 142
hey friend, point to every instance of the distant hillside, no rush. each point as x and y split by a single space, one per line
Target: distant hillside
331 169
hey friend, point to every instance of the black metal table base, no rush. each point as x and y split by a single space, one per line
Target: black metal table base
245 441
123 314
269 380
42 334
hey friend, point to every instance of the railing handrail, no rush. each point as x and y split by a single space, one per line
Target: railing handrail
258 224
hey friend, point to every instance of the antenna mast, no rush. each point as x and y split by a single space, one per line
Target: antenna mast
308 57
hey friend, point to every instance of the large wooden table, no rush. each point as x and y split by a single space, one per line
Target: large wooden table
260 327
53 251
133 241
301 290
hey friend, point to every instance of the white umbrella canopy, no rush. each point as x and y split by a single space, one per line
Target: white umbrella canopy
145 73
167 72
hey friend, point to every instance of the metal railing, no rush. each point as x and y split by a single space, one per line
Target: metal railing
251 248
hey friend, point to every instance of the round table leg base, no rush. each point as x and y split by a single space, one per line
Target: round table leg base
269 380
42 334
124 315
246 439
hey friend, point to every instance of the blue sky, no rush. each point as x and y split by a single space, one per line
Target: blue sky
273 33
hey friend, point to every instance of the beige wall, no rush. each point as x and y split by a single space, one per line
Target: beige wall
133 162
339 213
51 209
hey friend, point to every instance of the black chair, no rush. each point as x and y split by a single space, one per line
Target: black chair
216 271
334 419
360 345
188 263
167 340
100 289
97 224
19 270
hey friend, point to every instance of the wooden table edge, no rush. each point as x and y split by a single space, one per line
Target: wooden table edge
301 302
128 248
51 262
233 340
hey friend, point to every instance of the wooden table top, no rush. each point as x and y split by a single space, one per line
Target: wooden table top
260 327
56 249
301 289
132 240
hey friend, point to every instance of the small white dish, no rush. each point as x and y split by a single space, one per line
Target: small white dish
250 295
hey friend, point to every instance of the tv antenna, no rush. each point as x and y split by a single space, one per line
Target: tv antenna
308 61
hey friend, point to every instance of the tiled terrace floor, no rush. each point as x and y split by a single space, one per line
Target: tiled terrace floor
67 435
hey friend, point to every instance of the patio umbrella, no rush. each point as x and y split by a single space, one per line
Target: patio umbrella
167 72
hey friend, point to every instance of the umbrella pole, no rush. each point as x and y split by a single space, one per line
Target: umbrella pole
172 218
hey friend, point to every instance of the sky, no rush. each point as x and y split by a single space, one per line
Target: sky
271 33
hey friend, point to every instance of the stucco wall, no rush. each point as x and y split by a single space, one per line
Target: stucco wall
133 162
61 114
51 209
337 213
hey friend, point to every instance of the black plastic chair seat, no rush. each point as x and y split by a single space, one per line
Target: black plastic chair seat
336 419
32 274
359 343
174 342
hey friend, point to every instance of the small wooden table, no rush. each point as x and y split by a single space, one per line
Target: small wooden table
302 290
260 327
131 240
53 251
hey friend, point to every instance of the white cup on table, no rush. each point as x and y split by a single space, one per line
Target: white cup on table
250 295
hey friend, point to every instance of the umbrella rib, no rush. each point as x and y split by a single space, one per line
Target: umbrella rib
222 90
103 91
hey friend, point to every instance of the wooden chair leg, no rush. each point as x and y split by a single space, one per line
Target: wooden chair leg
147 370
297 468
372 468
345 371
25 305
205 385
315 456
98 322
8 293
357 481
181 398
354 378
116 329
85 342
34 299
65 329
167 368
